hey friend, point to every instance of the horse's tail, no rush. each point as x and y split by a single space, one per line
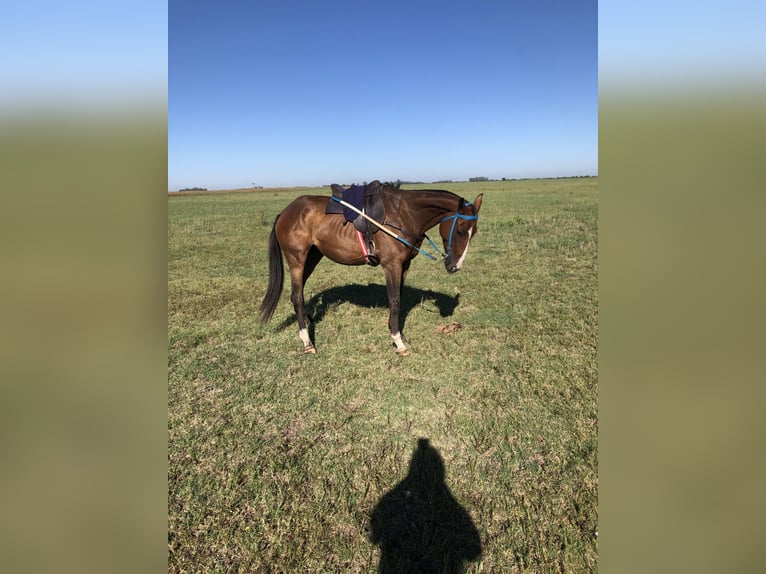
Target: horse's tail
276 276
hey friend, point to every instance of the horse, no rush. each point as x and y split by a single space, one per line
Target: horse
305 233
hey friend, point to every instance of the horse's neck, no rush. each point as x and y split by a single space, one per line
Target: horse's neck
419 210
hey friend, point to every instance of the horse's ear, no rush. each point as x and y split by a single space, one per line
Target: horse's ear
477 202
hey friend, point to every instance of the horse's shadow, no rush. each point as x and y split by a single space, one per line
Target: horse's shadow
372 296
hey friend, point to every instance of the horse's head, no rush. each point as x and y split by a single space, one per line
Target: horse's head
457 230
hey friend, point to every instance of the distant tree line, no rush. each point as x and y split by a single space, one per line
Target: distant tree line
400 182
518 178
193 189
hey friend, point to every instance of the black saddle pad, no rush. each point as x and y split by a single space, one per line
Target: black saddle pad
365 198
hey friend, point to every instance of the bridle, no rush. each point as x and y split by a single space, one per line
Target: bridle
454 219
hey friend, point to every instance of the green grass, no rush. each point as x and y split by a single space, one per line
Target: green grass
277 459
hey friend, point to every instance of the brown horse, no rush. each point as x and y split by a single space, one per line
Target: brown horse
305 233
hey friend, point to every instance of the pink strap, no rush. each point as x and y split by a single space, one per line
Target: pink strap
365 252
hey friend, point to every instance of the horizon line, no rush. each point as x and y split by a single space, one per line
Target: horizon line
403 182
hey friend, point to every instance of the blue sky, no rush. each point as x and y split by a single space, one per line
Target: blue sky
83 54
657 46
280 92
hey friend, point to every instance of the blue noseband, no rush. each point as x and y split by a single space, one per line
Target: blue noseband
454 219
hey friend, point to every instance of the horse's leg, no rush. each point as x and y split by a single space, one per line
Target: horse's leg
312 259
296 279
394 281
299 274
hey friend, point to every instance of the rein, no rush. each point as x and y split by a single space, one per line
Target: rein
401 239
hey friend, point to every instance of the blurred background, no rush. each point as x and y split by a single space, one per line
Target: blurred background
83 171
681 148
83 182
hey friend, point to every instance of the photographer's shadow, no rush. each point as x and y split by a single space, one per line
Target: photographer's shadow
419 525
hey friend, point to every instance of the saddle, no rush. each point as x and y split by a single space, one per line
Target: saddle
368 200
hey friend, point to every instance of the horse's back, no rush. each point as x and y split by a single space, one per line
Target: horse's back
301 213
307 202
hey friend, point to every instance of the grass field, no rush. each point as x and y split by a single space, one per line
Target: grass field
285 462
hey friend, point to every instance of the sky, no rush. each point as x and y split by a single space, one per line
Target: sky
286 92
82 54
659 46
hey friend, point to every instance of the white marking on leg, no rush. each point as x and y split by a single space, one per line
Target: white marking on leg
400 348
460 261
304 335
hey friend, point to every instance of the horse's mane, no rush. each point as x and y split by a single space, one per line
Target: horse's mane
398 184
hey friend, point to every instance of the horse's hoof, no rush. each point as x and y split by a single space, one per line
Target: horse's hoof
403 352
310 350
